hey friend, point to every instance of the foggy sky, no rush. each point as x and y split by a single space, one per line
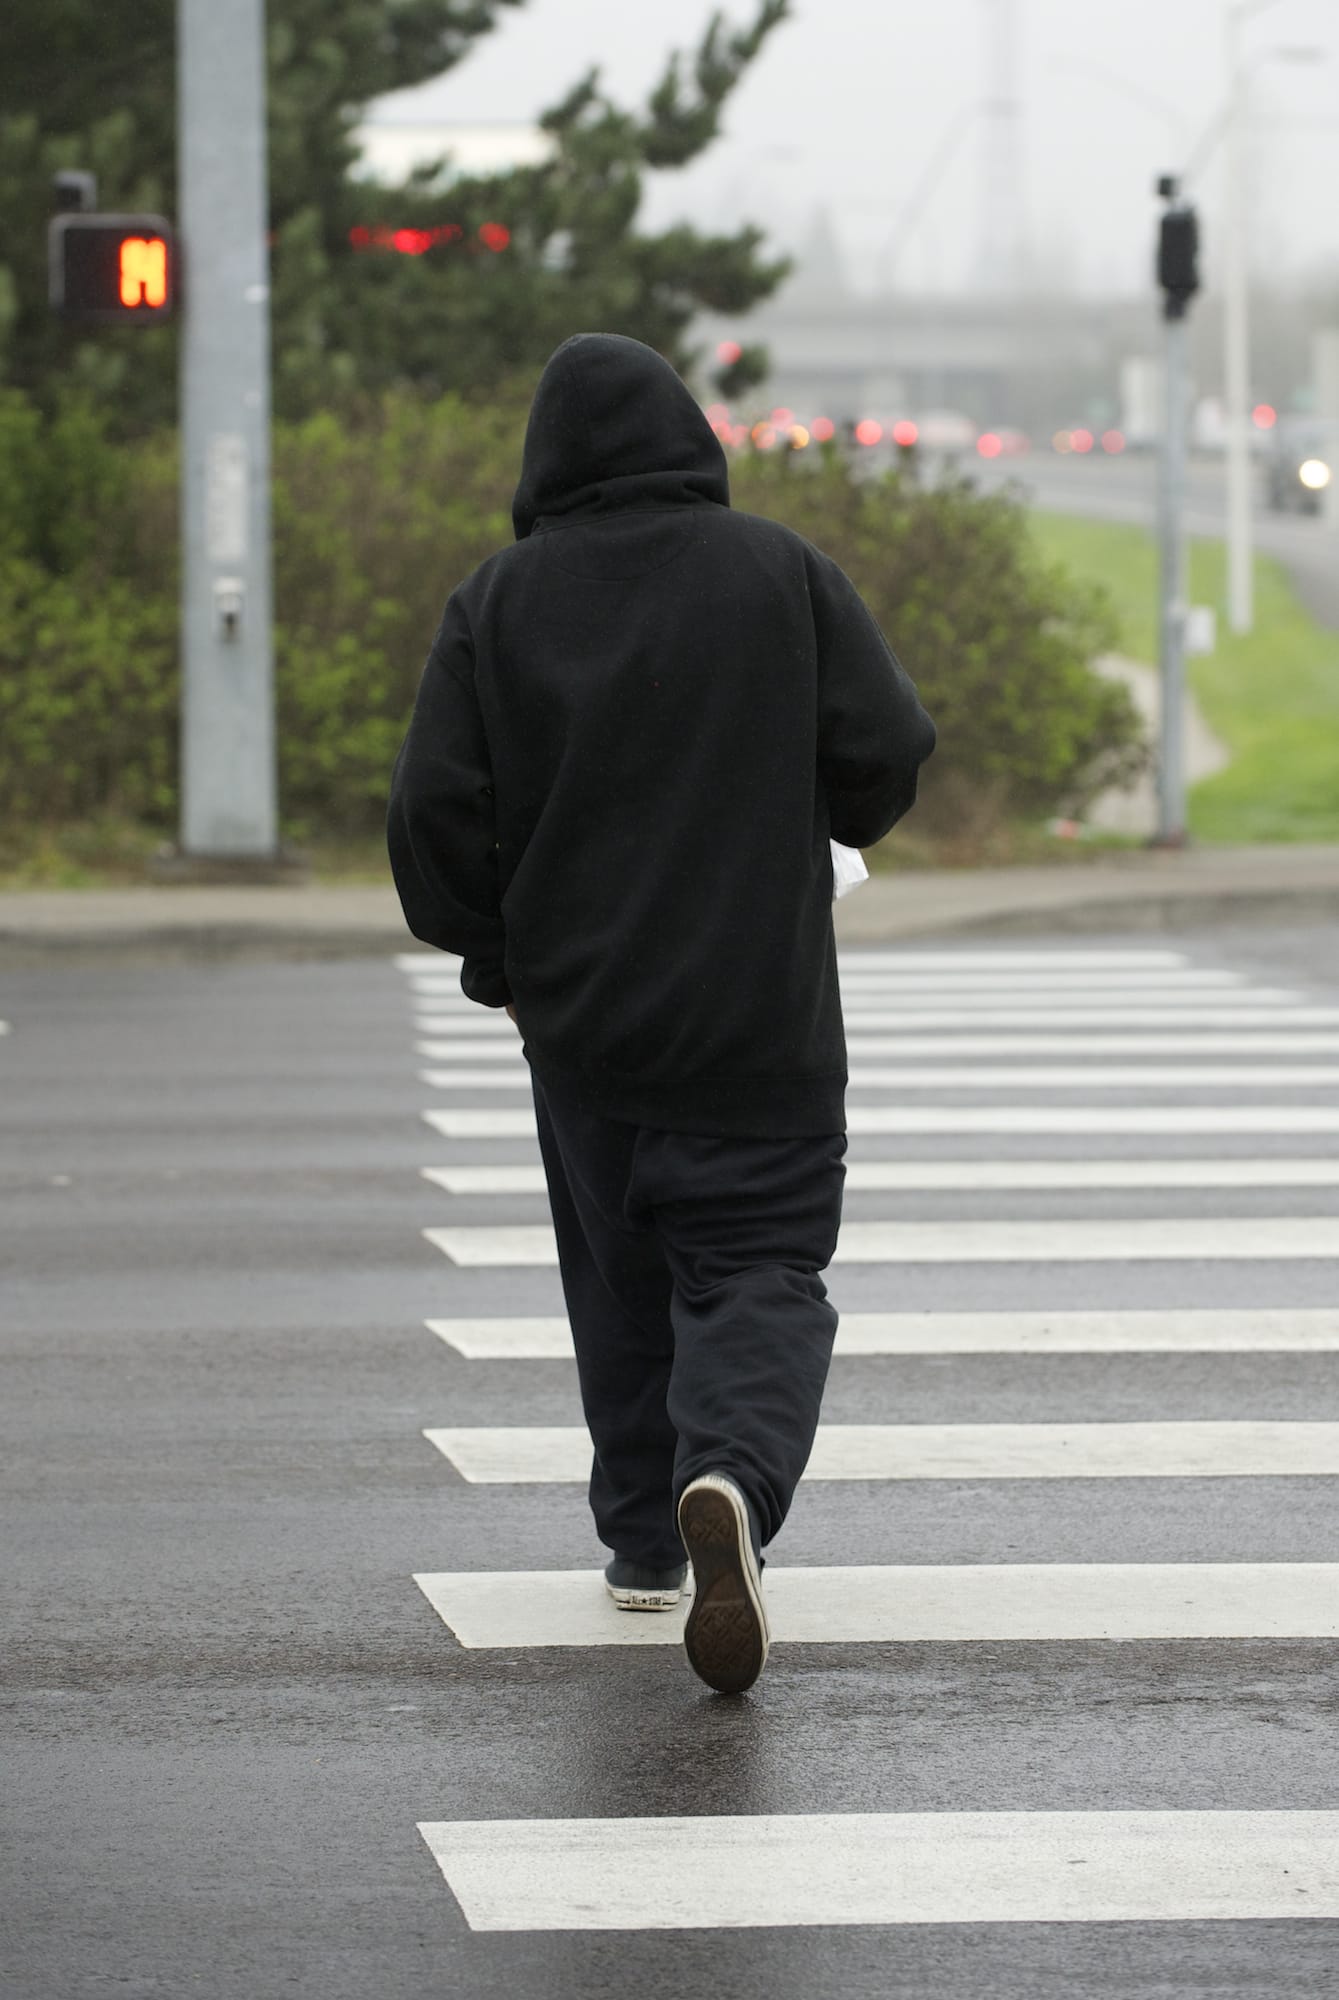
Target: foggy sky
851 98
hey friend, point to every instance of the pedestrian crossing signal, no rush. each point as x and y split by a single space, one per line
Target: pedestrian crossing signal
111 268
143 271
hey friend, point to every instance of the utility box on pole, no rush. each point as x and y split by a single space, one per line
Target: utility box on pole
1142 401
229 805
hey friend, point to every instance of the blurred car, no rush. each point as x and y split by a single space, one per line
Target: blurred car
946 430
1301 463
1002 443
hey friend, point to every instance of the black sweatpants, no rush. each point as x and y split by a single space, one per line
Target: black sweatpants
703 1333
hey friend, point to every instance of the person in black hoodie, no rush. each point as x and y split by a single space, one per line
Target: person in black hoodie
637 731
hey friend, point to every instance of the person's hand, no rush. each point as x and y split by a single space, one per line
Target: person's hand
512 1011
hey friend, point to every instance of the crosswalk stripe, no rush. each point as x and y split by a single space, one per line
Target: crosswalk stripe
1063 1030
1248 1011
524 1455
910 1121
990 989
915 955
1271 1006
479 1023
915 1603
487 1180
534 1337
492 1049
1251 1042
1096 957
1299 1330
511 1078
740 1871
1170 1120
976 1176
1093 1076
1255 1042
1091 1240
1206 980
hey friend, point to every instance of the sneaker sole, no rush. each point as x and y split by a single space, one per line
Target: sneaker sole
726 1635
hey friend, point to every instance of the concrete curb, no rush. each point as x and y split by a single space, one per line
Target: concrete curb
1135 892
1139 891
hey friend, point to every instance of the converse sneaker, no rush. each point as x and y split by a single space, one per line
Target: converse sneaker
634 1587
726 1635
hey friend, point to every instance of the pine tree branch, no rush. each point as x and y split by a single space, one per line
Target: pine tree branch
676 129
420 39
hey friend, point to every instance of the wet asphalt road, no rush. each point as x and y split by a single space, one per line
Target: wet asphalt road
226 1704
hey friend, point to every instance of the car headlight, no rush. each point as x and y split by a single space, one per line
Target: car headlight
1314 474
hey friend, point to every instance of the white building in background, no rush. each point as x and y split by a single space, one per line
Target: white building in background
394 145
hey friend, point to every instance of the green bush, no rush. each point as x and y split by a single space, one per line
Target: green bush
375 521
88 622
997 641
377 515
88 697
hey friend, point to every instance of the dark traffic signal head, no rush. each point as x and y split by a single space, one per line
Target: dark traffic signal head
112 268
1178 251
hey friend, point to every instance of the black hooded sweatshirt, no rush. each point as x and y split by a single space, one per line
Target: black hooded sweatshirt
636 731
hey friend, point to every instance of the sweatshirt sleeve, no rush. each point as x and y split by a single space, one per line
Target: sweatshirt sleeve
873 734
440 824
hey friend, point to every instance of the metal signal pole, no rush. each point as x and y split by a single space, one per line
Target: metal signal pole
1178 274
229 807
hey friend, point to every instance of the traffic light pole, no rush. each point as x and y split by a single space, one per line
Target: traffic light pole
229 807
1172 589
1178 275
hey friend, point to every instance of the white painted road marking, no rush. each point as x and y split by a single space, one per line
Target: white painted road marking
525 1455
990 990
476 1022
1040 979
1251 1043
1063 1022
1303 1330
1094 1076
489 1049
1169 1120
542 1337
1097 1240
483 1124
910 1120
727 1872
1188 1014
496 1048
916 1603
977 1176
487 1180
989 960
914 957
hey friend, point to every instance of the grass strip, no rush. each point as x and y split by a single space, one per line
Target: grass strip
1272 695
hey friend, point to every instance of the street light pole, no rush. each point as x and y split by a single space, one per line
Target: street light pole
228 791
1236 338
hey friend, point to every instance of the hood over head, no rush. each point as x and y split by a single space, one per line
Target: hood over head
613 426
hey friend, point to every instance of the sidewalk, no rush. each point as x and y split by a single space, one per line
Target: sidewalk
1137 891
